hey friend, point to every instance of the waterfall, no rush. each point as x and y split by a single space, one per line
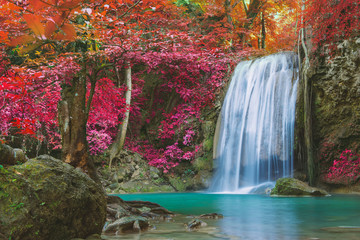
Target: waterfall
256 139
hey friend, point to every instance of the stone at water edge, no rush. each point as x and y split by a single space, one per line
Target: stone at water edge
46 198
129 224
195 224
295 187
211 216
132 216
154 207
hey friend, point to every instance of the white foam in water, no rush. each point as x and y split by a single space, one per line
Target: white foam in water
257 124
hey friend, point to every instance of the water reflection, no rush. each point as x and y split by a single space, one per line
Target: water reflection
259 217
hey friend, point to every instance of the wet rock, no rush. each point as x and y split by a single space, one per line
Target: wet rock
211 216
144 209
132 216
264 188
154 207
49 199
123 218
127 224
295 187
195 224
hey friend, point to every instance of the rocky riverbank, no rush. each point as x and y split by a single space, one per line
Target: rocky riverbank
132 174
45 198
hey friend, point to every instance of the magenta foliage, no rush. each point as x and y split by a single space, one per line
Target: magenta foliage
166 158
29 102
346 169
194 78
187 76
107 105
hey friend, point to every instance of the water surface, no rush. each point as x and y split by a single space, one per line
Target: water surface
256 216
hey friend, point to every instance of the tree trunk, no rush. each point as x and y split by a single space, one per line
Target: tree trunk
263 31
252 10
228 9
118 145
72 123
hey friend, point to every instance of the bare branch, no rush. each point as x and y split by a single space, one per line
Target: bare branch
135 4
235 4
245 7
26 10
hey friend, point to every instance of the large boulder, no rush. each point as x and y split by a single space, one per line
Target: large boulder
295 187
45 198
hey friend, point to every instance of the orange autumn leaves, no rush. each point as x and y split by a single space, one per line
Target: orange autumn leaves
40 20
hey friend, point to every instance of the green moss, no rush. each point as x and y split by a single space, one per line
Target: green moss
282 186
131 190
203 163
180 184
208 145
16 205
54 205
295 187
158 180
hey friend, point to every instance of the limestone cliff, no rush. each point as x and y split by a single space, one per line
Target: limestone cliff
335 108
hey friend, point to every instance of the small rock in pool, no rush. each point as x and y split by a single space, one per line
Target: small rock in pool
211 216
195 224
127 224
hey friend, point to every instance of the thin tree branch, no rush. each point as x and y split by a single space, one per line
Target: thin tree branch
130 9
26 10
91 95
235 4
245 7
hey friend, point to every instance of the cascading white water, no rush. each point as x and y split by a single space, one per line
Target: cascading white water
257 124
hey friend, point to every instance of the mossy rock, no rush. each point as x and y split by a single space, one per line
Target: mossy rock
208 145
203 163
199 181
180 184
144 186
48 199
295 187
